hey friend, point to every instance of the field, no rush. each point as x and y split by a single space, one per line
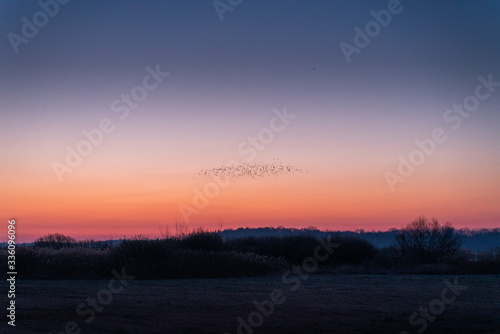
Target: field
320 304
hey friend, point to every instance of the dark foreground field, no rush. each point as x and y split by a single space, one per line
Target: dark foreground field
321 304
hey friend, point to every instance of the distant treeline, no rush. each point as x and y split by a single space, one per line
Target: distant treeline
478 240
422 247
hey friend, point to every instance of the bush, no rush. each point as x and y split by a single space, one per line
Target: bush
425 242
55 241
295 249
352 250
62 263
201 240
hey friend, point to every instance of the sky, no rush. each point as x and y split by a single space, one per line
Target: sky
385 110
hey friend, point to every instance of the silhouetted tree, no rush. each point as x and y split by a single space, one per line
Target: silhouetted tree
55 241
424 241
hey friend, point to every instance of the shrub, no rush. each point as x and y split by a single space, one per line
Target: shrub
55 241
201 240
295 249
423 241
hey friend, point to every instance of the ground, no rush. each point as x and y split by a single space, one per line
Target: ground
321 304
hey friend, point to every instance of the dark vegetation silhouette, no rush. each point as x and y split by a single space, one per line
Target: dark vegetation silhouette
424 242
477 240
423 246
294 249
55 241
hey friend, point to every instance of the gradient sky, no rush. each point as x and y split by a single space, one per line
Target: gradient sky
353 120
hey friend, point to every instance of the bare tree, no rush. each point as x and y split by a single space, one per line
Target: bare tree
55 240
424 241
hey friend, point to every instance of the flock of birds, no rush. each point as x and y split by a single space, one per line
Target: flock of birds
251 170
